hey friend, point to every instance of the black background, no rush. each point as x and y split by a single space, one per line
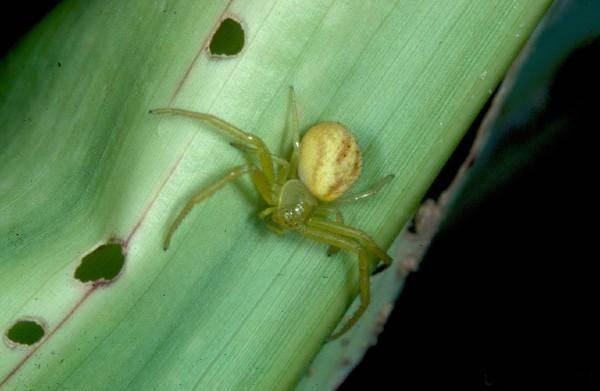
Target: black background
18 18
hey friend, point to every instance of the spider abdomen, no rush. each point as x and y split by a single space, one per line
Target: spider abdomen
330 160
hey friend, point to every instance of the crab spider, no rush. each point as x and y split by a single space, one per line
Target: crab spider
299 191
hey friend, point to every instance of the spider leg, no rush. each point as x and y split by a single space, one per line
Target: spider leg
329 210
276 229
286 169
264 188
250 149
204 194
263 214
264 155
295 135
325 211
367 193
273 227
338 241
243 147
284 165
355 234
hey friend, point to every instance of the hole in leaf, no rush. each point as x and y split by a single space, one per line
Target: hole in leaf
104 263
25 332
228 40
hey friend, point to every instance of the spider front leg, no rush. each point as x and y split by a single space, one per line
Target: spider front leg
284 166
354 234
264 155
325 211
232 175
270 225
343 243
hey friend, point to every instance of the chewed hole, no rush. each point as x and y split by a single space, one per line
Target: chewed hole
228 39
102 264
25 332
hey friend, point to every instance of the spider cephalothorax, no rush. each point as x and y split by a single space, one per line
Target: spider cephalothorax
295 206
303 191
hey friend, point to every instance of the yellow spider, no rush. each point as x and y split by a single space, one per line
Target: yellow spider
299 191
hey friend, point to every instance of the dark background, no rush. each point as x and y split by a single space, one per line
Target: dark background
18 18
